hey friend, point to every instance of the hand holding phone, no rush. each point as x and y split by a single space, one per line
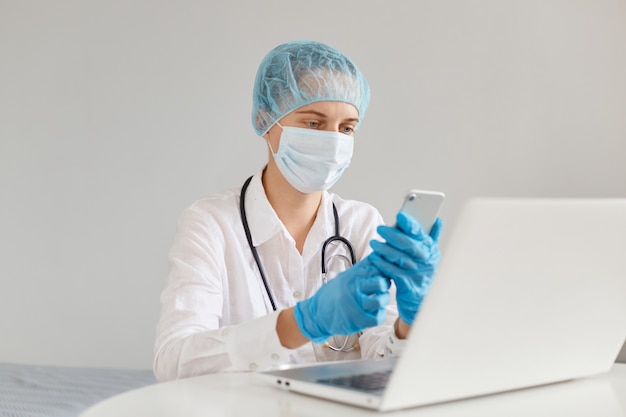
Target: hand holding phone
408 259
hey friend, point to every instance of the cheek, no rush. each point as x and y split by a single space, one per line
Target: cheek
272 141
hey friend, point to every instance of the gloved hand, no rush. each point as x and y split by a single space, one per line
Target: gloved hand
409 257
353 301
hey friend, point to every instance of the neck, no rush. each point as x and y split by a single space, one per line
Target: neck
296 210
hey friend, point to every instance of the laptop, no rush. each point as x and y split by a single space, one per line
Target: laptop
529 292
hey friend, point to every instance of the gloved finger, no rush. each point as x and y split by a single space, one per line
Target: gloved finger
374 285
435 231
392 271
381 316
372 303
409 225
371 318
413 246
393 255
397 238
362 268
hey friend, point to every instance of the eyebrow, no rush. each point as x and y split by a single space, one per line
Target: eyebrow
320 114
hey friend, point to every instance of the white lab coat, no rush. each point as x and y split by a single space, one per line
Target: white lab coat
215 313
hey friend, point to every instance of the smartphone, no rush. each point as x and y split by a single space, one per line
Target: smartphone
424 206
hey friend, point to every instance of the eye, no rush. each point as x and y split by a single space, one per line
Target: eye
311 124
347 130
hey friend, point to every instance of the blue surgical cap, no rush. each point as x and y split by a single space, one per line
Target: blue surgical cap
298 73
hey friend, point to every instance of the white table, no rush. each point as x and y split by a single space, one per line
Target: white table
242 394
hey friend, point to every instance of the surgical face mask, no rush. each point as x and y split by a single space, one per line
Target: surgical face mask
312 160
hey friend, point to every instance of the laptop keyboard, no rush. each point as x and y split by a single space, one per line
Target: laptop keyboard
374 381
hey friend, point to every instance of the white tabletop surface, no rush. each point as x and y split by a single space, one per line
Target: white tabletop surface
243 395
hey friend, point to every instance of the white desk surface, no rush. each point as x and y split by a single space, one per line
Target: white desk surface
241 394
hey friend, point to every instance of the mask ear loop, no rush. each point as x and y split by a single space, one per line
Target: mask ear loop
268 142
270 146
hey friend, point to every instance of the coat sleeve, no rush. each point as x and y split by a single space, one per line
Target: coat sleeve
190 338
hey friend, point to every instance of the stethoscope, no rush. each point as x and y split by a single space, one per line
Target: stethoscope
335 238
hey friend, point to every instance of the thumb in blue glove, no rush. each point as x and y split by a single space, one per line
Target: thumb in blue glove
351 302
410 258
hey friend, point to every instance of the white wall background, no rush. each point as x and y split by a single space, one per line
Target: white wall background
115 115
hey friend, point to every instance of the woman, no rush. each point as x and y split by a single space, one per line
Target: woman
252 284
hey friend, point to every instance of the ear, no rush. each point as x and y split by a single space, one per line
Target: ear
268 140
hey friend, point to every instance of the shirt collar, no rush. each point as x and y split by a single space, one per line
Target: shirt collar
264 223
323 227
262 219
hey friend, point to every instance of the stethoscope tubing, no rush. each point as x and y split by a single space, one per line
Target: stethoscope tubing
246 228
255 254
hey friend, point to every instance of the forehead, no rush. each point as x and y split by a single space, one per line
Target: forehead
330 109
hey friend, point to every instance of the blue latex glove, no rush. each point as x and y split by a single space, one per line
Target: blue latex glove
353 301
410 258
